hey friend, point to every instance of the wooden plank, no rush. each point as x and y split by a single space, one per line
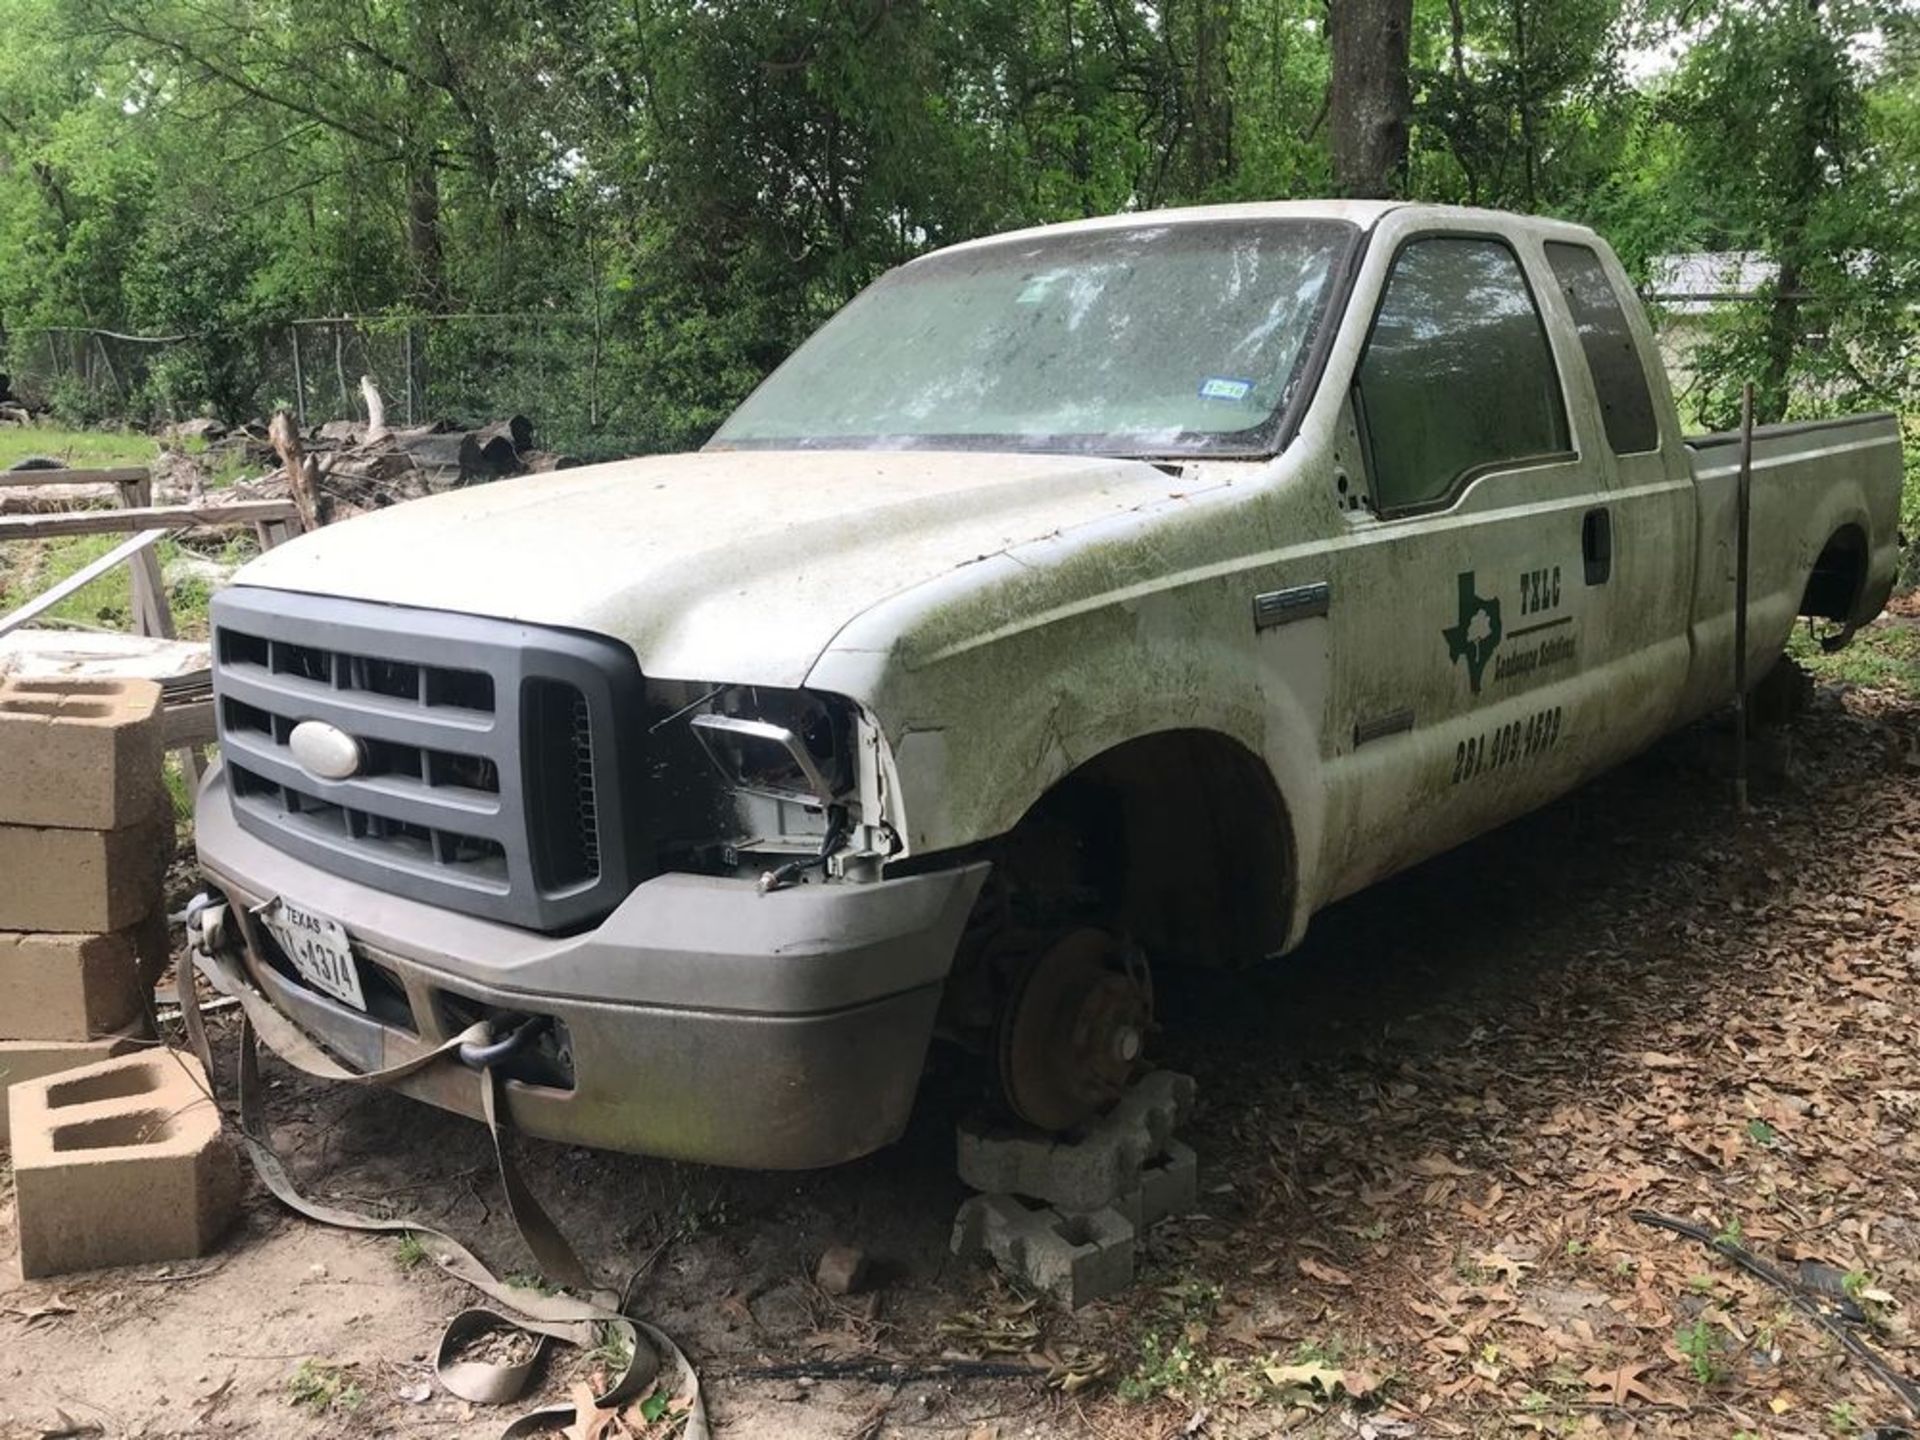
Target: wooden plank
187 724
79 580
148 517
181 666
153 616
12 479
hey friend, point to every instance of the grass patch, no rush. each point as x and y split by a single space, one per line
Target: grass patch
1882 656
80 449
1704 1345
324 1387
409 1253
28 567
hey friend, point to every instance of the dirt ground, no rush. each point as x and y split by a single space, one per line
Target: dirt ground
1420 1139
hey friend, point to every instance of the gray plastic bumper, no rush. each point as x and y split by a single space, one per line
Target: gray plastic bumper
702 1020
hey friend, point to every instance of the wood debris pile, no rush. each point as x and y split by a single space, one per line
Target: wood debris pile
345 468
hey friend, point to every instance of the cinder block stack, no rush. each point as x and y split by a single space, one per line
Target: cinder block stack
86 831
1066 1215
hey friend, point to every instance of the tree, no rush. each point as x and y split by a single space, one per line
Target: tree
1370 101
1520 103
1782 157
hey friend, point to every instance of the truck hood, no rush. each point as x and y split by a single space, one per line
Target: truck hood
728 565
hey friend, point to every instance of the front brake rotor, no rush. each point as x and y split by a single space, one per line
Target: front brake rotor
1072 1031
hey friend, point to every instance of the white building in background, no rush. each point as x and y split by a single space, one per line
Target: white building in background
1683 290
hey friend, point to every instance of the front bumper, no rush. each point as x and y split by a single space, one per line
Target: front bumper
702 1021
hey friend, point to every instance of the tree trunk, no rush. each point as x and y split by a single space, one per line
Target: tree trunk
1523 68
1370 98
423 231
1774 392
1212 146
1817 143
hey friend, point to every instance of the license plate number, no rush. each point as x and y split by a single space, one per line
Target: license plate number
318 949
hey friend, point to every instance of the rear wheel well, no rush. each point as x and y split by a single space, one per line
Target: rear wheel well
1838 576
1178 840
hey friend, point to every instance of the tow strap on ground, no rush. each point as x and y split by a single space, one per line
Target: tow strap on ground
654 1358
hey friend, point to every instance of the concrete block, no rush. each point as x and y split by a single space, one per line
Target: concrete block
1169 1185
842 1270
77 880
1076 1258
1091 1170
24 1060
60 985
79 754
121 1163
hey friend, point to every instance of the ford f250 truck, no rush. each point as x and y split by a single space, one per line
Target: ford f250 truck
1105 593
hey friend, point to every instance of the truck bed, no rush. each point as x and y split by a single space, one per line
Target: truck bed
1823 542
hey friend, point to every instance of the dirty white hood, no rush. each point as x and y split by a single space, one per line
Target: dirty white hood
735 565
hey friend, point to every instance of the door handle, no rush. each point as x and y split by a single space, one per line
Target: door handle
1596 545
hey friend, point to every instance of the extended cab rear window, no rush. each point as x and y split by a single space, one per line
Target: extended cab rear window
1619 379
1457 377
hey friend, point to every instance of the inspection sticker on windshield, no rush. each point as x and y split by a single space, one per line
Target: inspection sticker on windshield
1224 387
318 949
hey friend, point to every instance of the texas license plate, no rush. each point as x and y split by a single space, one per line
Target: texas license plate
318 949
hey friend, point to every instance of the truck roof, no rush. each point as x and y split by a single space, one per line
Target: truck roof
1363 213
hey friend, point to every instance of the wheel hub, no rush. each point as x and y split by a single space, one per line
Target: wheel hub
1072 1031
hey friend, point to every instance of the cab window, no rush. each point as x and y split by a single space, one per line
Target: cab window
1457 376
1619 379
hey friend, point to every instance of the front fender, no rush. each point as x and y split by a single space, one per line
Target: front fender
1001 678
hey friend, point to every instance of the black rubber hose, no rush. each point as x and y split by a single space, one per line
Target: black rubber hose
1908 1392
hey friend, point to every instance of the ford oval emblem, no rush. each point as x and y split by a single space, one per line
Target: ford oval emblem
325 751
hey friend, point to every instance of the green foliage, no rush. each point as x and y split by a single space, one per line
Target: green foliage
1793 146
324 1387
1704 1345
613 1352
1522 103
1881 657
179 795
665 195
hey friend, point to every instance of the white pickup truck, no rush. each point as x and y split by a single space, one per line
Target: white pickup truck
1121 590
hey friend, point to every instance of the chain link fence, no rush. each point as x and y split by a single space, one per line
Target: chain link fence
551 367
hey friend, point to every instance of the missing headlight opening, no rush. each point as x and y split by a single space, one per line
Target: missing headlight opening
785 743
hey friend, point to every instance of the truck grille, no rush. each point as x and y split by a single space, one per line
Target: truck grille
488 779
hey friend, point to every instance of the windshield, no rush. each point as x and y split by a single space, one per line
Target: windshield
1148 339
